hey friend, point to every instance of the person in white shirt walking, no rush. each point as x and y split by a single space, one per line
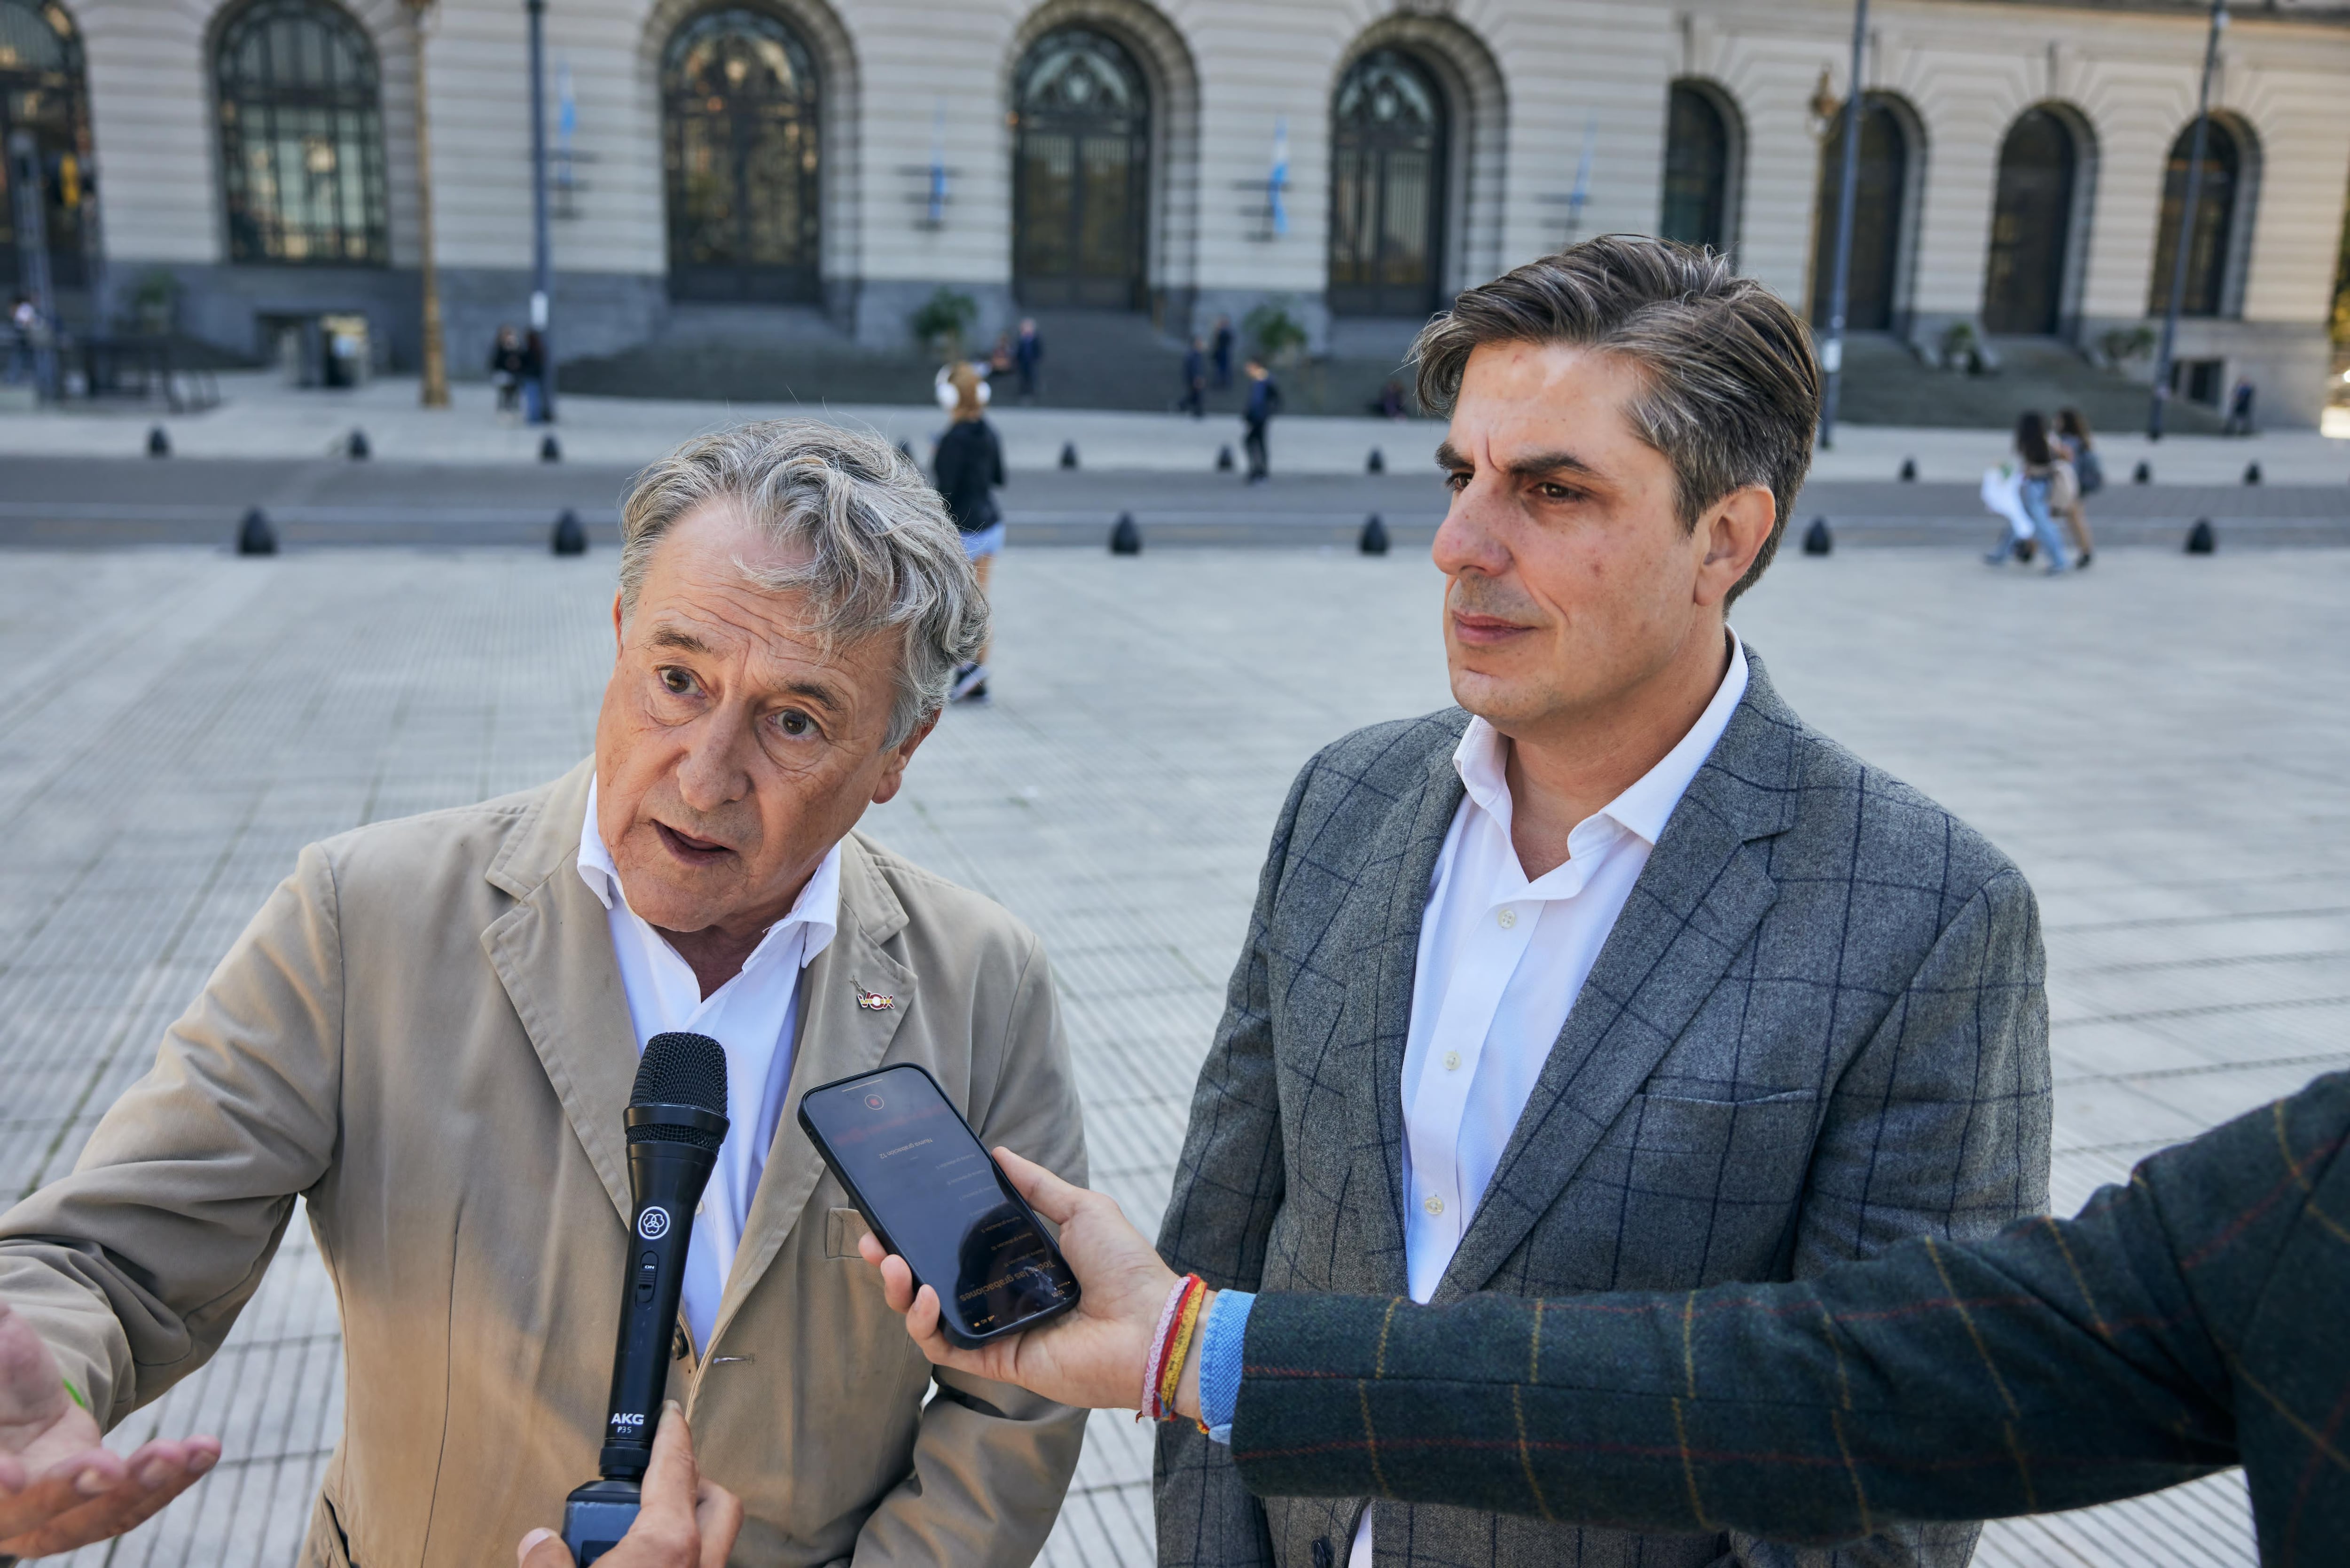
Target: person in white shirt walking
1616 976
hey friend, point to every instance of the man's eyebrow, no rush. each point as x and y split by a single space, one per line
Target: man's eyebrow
1536 464
1448 458
683 640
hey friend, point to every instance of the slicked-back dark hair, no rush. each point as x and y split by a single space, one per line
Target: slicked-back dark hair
1733 392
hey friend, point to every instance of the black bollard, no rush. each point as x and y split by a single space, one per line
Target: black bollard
1223 460
550 450
1068 454
1124 538
2251 473
570 539
159 443
255 536
1377 462
2201 539
1909 471
2142 474
356 447
1817 540
1374 541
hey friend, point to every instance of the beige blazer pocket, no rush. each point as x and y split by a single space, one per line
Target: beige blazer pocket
842 1227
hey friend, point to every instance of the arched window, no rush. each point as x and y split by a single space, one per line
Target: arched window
740 100
2030 225
1879 212
301 125
2210 238
1387 188
1081 172
42 90
1697 169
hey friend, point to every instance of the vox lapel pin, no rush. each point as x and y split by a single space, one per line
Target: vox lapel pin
871 1002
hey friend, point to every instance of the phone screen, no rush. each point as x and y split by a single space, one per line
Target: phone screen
925 1184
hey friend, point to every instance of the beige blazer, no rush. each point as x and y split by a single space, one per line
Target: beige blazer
423 1033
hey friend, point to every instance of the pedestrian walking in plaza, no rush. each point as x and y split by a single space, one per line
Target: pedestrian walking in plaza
1263 402
1027 356
506 368
967 467
2089 472
1195 379
999 358
1219 353
2239 410
2045 489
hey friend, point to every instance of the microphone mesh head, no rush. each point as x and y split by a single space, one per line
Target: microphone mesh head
680 1069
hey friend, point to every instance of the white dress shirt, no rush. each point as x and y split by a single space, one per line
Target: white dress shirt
751 1016
1501 960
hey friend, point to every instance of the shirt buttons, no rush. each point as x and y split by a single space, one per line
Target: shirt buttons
1508 918
1453 1061
1434 1205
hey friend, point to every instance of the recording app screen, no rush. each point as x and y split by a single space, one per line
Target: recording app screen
929 1185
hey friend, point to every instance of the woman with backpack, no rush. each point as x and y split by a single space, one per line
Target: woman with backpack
2072 440
967 467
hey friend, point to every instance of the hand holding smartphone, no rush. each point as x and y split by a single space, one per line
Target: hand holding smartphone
936 1198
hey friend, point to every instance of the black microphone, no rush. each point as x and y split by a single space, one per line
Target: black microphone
676 1120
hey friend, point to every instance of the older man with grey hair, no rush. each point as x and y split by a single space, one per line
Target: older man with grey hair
430 1032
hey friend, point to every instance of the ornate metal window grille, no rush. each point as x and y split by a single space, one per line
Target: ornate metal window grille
1387 187
1081 172
301 123
743 155
1697 170
2210 238
43 90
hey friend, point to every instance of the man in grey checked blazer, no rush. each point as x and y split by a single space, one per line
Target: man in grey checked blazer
1816 1026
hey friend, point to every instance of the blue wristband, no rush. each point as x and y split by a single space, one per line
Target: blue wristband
1220 1339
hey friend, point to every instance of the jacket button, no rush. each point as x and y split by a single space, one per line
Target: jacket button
680 1347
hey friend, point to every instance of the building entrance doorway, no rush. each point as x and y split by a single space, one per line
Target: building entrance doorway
740 100
1081 174
1387 188
42 90
2032 219
1876 217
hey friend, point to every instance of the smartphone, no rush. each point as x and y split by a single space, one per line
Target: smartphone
933 1196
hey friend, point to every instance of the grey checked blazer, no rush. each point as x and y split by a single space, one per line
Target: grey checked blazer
1817 1028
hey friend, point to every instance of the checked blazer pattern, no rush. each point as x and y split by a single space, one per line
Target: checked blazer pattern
1818 1028
2187 1322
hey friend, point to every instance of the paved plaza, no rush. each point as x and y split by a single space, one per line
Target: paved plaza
2159 742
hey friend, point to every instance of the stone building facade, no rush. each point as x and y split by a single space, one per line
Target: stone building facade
825 166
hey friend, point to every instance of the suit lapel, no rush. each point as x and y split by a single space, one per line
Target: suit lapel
835 1038
1395 892
553 952
1705 888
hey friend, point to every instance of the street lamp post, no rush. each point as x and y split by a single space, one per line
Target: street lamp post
2186 232
1840 279
433 393
542 288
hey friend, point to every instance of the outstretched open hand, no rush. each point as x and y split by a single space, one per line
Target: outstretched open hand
1092 1357
61 1486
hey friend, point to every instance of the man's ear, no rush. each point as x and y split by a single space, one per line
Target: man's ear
1735 529
618 621
893 772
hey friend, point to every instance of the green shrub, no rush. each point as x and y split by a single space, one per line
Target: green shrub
944 322
1278 335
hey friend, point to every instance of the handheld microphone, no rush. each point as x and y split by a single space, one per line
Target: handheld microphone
676 1120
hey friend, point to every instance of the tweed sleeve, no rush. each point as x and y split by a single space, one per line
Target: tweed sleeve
2058 1365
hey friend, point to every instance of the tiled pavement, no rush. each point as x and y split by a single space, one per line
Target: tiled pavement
2160 742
